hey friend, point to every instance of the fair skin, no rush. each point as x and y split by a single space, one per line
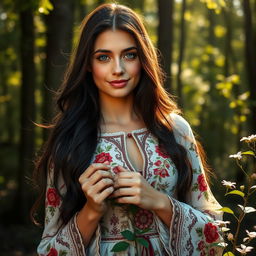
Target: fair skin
116 71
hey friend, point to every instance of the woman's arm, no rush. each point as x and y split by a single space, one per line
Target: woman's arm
74 237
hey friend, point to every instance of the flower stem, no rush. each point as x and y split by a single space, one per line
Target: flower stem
242 214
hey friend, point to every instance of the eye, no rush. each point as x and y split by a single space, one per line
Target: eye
103 57
130 55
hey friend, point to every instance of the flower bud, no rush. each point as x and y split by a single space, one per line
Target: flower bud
253 176
242 188
230 236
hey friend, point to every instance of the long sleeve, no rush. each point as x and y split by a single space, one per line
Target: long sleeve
193 230
58 239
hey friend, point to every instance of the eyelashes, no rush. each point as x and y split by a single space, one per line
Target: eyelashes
131 55
103 57
126 56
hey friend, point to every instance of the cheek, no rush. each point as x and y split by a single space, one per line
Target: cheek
98 72
135 69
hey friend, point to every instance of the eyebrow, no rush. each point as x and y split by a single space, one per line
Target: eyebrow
108 51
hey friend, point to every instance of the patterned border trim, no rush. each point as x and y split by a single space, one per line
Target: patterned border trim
151 235
176 228
76 237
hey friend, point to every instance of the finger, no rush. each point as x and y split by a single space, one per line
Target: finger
123 182
92 168
128 174
122 169
105 193
98 175
103 184
127 200
125 192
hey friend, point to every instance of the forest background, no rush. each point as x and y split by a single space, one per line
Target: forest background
209 52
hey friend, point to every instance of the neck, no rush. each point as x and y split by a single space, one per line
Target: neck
118 111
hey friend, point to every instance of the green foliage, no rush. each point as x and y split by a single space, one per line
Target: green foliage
45 6
142 241
216 97
234 239
121 246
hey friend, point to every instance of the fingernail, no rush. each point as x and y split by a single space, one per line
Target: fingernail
106 162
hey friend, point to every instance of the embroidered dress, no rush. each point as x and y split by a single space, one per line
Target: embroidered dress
193 230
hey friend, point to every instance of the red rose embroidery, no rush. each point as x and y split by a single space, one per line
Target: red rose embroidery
103 157
162 172
143 219
116 170
153 184
161 153
158 163
210 233
202 183
53 198
203 253
52 252
201 245
212 252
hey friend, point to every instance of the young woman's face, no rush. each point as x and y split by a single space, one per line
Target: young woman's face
115 64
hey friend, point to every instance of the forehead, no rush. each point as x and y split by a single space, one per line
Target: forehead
114 40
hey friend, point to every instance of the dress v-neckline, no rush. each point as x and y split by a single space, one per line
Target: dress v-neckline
124 136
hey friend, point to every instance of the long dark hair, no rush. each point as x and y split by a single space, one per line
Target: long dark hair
74 130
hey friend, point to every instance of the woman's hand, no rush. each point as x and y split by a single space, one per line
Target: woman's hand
132 188
97 184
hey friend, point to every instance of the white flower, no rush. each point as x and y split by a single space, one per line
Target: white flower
244 249
238 155
222 223
247 209
228 184
250 235
249 138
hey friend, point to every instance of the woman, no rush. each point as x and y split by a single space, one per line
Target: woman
122 172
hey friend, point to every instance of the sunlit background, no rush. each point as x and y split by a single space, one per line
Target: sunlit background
208 50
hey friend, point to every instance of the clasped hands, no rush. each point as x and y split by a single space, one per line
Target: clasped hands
126 187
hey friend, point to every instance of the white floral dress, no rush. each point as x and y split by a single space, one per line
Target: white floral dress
193 230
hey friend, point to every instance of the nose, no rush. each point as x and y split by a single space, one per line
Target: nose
118 67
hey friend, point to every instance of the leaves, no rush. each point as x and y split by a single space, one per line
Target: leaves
199 231
142 241
45 6
226 209
62 253
119 247
139 232
128 235
229 254
133 208
250 152
235 192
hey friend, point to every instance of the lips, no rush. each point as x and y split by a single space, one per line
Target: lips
119 83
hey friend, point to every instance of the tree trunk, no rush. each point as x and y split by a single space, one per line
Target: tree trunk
182 42
250 57
231 68
27 114
165 38
80 10
59 25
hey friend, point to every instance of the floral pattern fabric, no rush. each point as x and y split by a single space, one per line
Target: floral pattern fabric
192 231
